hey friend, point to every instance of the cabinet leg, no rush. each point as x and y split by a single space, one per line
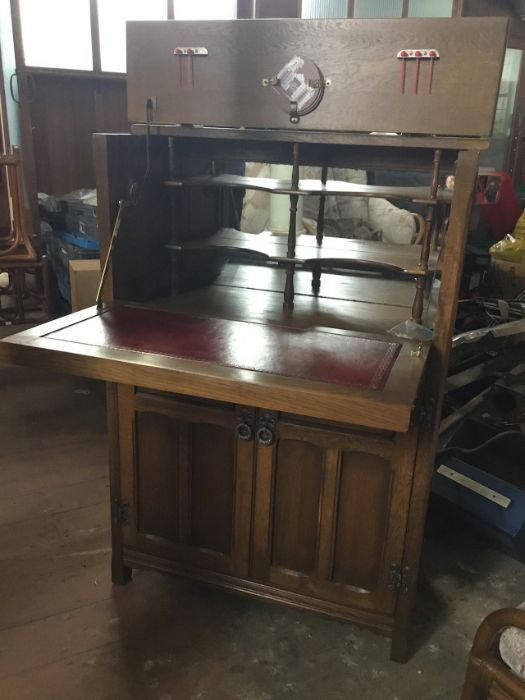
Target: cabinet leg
120 573
399 649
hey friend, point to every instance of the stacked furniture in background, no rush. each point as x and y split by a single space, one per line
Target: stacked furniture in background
19 261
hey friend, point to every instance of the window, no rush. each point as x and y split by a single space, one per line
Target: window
324 8
112 18
430 8
398 8
205 9
496 155
57 33
378 8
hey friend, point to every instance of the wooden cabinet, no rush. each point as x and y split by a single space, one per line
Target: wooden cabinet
186 481
310 510
314 492
329 514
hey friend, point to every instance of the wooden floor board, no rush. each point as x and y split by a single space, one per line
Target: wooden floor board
52 466
22 505
31 589
57 535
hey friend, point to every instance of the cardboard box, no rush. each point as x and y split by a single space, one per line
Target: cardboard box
84 277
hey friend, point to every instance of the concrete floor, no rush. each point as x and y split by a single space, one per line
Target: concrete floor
66 632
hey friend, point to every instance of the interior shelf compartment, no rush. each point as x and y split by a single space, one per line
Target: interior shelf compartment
312 187
333 252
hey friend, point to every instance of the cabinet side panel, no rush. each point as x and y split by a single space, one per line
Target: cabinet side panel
362 520
212 487
157 449
298 483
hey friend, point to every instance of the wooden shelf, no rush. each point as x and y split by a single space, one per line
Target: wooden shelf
341 253
308 136
311 187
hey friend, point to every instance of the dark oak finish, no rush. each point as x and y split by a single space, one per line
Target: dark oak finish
358 56
231 468
311 187
187 481
334 252
65 113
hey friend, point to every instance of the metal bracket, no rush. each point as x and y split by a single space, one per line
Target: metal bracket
320 83
120 511
407 54
266 428
245 421
294 115
424 410
399 579
190 51
270 82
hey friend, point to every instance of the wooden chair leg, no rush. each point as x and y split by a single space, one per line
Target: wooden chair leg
46 290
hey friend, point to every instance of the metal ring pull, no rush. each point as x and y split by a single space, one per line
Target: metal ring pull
244 432
265 436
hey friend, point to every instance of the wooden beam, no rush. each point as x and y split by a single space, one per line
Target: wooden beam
95 35
26 127
457 8
245 9
433 390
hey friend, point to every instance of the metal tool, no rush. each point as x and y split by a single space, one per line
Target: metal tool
122 205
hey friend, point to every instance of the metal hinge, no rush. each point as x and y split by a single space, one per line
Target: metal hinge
120 511
399 579
424 410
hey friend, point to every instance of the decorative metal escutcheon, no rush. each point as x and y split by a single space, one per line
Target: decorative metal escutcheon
245 423
266 428
298 87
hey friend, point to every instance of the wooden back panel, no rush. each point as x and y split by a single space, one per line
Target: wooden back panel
358 56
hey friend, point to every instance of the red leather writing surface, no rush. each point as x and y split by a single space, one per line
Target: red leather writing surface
305 354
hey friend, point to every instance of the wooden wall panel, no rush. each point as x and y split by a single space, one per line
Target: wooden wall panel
65 112
212 487
157 440
360 537
298 484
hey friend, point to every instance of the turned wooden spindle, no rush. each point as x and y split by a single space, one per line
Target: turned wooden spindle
316 273
294 200
417 307
322 200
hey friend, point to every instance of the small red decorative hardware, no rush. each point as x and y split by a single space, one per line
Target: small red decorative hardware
188 52
417 55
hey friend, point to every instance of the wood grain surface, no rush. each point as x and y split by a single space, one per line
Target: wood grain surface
358 56
333 252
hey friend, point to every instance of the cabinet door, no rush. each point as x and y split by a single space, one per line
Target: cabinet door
330 514
186 470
